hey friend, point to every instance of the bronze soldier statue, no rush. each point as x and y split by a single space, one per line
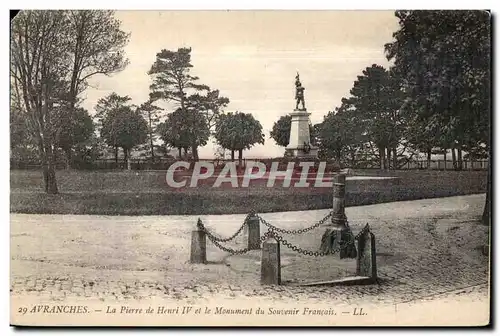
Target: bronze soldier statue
299 93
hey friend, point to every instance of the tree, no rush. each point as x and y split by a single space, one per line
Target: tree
107 106
53 54
37 66
96 45
237 132
151 114
280 132
173 82
340 136
445 56
182 129
76 128
375 97
125 128
210 105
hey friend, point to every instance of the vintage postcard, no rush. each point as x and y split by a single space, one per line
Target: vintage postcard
250 168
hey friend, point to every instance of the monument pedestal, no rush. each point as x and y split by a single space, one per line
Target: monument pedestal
299 145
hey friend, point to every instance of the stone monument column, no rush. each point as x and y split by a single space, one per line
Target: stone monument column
299 145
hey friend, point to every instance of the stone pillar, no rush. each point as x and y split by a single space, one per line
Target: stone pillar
270 266
253 223
338 205
337 233
198 247
366 262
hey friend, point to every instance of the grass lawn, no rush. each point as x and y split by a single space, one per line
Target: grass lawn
146 193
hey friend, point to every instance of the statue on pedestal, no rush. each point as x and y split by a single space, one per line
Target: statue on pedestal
299 94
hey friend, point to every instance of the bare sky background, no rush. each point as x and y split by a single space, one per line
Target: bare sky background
252 58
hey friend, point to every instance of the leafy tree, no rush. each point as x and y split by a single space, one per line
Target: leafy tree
107 106
210 105
376 99
96 45
76 128
238 131
183 128
445 56
151 114
172 81
125 128
53 54
280 132
339 135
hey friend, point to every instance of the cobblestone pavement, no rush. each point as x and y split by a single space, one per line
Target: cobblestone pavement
425 249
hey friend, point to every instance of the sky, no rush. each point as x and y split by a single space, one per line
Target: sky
252 57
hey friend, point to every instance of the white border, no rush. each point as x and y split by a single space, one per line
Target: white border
184 4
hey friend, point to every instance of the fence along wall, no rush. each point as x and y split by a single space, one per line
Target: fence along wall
163 164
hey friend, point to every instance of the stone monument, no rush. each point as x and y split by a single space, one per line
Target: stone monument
299 145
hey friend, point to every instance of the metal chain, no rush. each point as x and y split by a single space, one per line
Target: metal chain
219 239
363 231
307 252
297 231
296 248
273 232
242 251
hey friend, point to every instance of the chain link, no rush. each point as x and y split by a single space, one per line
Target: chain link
273 232
307 252
297 231
236 252
219 239
363 231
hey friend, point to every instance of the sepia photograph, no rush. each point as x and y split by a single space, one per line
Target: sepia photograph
250 168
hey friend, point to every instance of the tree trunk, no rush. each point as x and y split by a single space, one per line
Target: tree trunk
454 158
49 173
460 161
240 157
151 137
429 156
125 157
389 161
68 153
195 152
152 148
382 158
116 155
444 157
394 158
487 206
232 154
129 161
180 152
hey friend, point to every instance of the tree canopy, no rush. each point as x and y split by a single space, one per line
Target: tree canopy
53 54
238 131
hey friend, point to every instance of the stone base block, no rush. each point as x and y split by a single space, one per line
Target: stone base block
347 281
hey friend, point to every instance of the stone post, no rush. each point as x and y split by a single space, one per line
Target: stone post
270 265
198 247
253 224
337 233
338 205
366 262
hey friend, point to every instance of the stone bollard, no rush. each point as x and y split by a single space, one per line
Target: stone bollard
338 205
337 232
366 262
270 265
253 224
198 247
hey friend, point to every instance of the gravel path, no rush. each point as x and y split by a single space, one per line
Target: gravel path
426 250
